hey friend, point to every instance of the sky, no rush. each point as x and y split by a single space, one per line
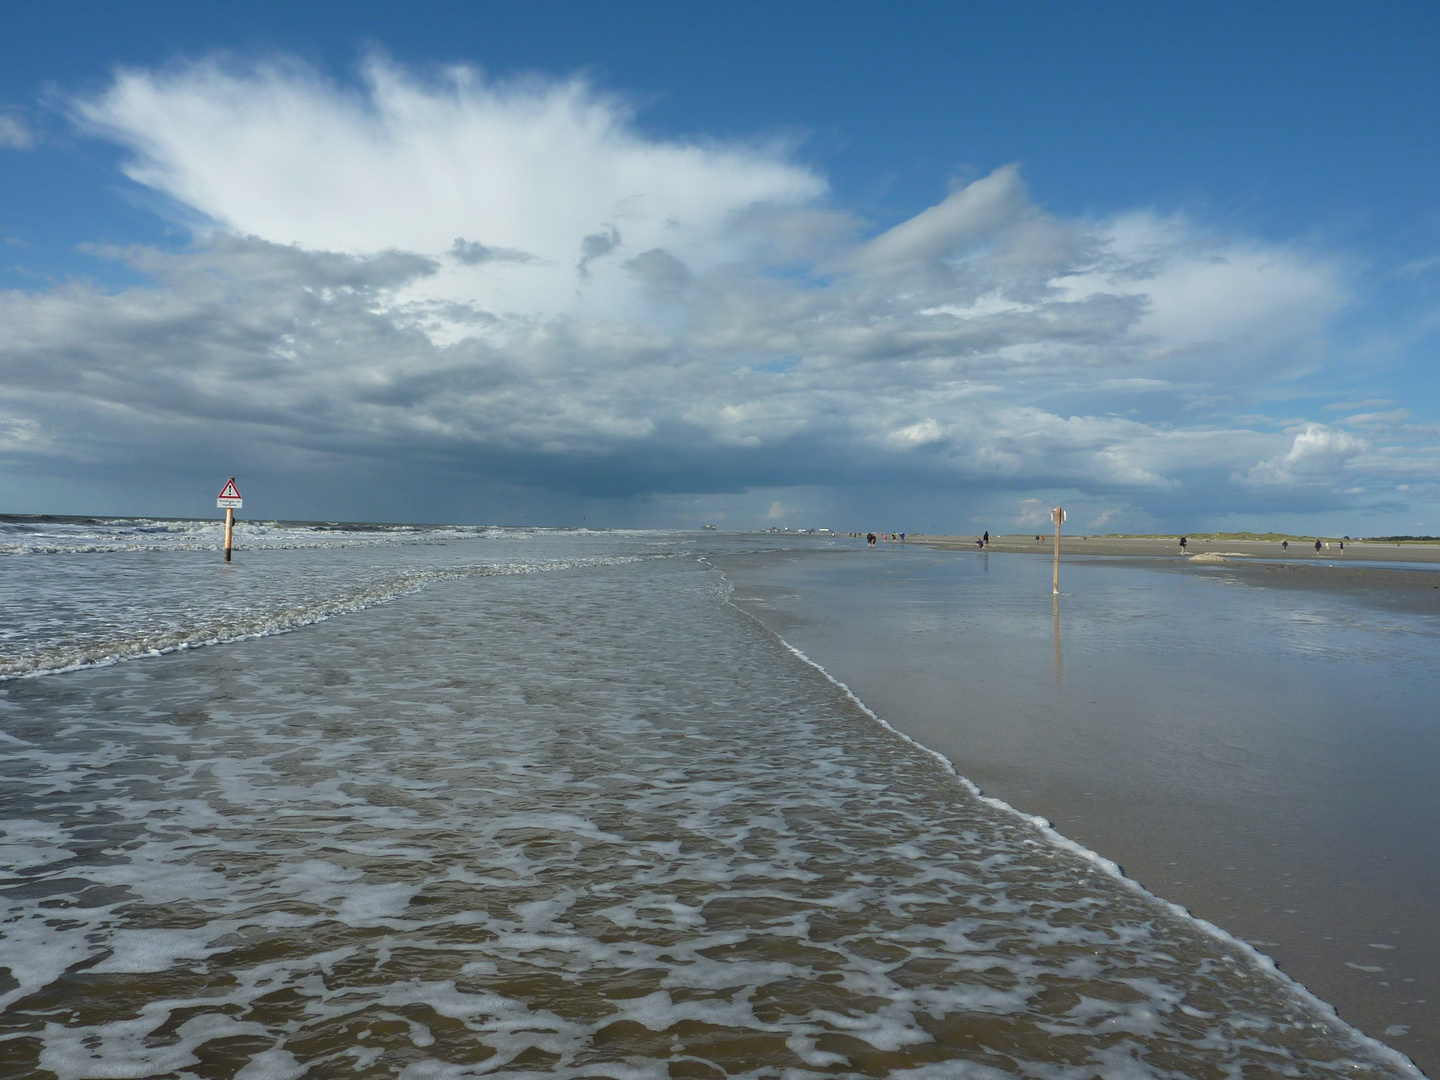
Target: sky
922 267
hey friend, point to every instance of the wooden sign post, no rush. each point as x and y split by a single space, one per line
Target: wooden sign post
1058 516
230 499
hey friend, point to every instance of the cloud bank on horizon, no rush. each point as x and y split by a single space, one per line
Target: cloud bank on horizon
461 278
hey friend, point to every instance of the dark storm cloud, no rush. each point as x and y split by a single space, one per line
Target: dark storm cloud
473 253
596 246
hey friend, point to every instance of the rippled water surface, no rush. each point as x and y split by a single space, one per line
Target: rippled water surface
81 591
588 820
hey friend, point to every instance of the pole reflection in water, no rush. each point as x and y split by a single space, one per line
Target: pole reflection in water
1058 669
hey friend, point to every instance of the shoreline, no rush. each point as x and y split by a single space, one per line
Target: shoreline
1261 961
1179 729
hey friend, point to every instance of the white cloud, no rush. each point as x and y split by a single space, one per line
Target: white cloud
513 278
970 216
554 171
1211 304
1104 518
14 133
21 433
1032 512
926 431
1317 455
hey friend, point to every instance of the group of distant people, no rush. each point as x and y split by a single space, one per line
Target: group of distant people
983 541
871 539
1284 545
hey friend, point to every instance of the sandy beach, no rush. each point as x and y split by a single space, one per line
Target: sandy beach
1300 551
1398 576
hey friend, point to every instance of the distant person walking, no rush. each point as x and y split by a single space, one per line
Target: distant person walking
1183 542
1317 547
870 539
987 538
1284 545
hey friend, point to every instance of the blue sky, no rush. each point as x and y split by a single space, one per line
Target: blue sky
933 268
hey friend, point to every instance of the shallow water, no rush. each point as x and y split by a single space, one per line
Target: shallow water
586 822
82 591
1265 757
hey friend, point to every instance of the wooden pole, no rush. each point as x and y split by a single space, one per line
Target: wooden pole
230 528
1057 515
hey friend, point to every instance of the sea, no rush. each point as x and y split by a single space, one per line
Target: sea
442 801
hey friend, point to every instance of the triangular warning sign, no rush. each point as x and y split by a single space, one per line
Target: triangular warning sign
229 491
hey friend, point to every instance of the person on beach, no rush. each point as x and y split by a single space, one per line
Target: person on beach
987 538
979 543
1317 547
1284 545
1342 547
1183 542
870 539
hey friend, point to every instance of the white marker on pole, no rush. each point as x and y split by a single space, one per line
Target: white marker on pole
230 499
1058 516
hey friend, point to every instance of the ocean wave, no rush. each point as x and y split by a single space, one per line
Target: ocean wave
220 625
25 535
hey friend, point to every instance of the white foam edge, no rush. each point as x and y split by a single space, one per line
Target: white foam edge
497 570
1358 1039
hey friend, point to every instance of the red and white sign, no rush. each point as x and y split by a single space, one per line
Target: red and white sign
229 495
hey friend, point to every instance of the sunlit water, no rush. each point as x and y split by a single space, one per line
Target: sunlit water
587 819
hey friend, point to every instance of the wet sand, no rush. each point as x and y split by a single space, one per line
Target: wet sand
1409 582
1252 739
1170 546
1299 552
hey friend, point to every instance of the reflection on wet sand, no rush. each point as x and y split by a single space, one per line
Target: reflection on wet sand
1058 670
1262 756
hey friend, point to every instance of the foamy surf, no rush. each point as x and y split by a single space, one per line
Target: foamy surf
111 598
